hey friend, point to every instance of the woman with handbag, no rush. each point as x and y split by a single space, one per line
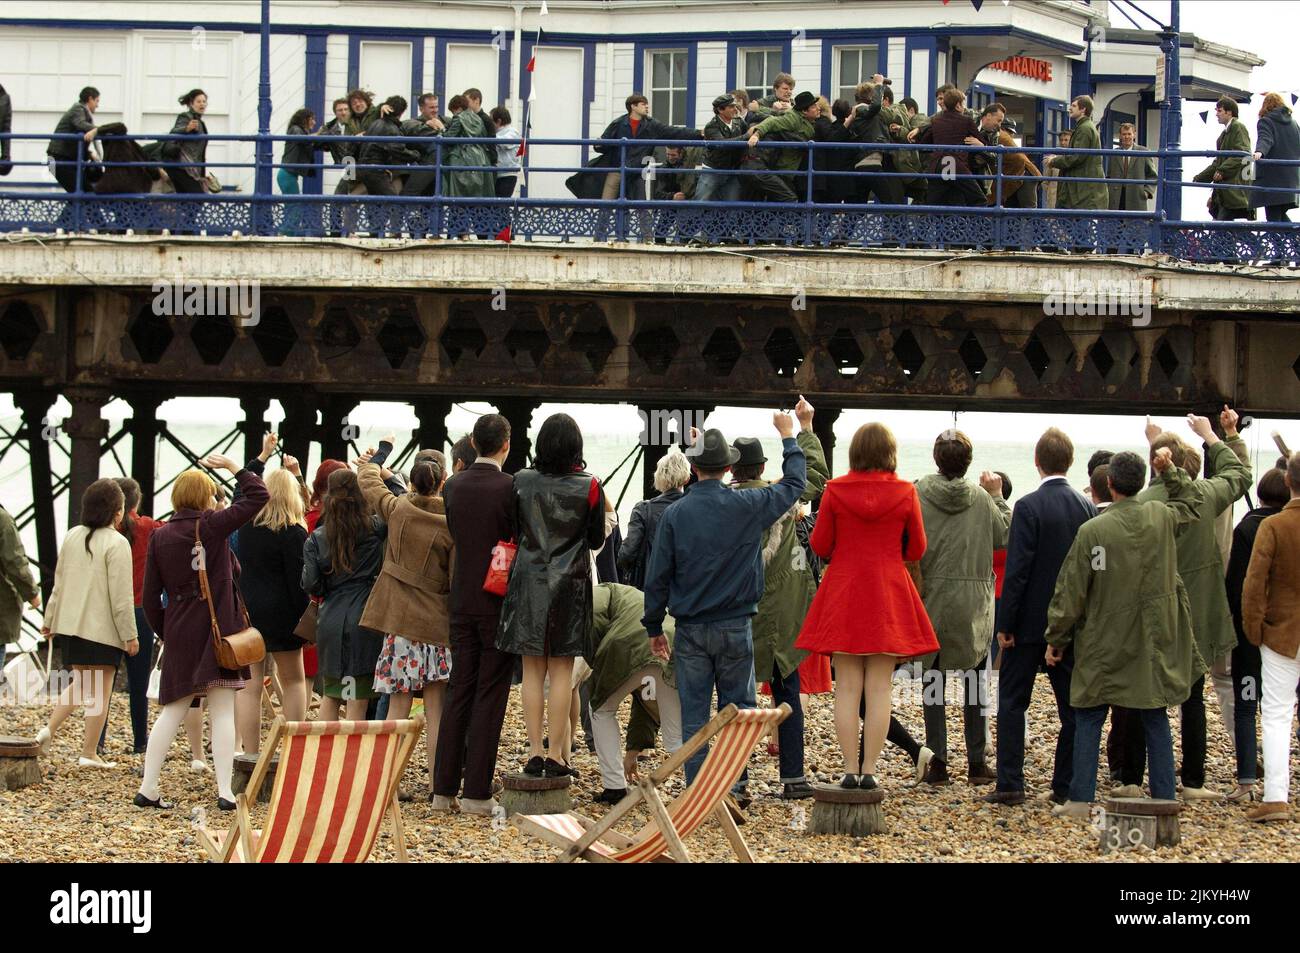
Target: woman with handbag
341 561
192 176
270 551
92 612
409 599
190 560
547 613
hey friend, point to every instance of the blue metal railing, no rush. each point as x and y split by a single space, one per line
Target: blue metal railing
806 218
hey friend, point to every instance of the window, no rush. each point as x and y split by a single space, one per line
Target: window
857 65
667 93
757 70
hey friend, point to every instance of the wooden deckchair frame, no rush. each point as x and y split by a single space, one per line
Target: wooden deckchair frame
238 843
647 791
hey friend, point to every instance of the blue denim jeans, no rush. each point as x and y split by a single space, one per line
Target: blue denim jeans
1087 743
709 656
789 734
717 187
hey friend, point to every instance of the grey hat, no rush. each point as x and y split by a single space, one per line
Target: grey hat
715 454
750 450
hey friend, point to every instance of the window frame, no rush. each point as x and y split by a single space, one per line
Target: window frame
764 86
836 66
685 89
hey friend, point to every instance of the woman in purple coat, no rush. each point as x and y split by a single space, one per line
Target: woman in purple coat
189 665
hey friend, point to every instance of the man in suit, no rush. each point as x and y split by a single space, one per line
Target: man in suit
1131 196
480 513
1043 527
80 117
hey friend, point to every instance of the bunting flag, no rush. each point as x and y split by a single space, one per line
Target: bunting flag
532 60
543 11
977 3
505 235
1205 116
1293 99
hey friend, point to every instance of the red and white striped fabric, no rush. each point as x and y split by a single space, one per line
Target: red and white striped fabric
722 767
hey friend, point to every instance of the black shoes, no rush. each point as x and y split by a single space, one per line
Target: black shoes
534 767
849 781
981 774
158 803
553 769
867 782
796 790
610 796
936 775
225 805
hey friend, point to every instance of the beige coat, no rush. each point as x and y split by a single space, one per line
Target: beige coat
410 596
93 598
1270 597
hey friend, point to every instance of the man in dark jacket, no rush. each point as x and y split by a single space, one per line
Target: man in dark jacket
428 124
6 121
707 569
1043 526
480 513
381 181
950 128
723 127
78 118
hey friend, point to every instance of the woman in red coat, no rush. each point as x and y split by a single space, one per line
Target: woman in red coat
867 612
189 664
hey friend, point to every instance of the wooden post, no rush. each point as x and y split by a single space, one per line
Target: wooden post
847 811
19 762
525 794
1135 821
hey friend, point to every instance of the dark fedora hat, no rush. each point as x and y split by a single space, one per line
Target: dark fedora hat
714 454
804 100
750 450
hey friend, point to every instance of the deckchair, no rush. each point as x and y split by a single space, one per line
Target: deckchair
736 730
334 783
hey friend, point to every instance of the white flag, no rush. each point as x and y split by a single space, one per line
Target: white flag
532 92
544 11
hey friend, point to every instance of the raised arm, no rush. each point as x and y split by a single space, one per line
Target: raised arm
377 494
253 497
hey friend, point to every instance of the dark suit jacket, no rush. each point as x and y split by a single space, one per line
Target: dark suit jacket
480 513
949 128
1043 526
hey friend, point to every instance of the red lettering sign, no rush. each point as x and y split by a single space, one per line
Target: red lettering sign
1040 70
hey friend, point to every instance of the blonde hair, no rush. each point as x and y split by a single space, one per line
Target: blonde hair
193 490
672 471
285 507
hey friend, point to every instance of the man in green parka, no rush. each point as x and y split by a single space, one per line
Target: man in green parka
964 523
1120 600
1081 195
1200 564
466 124
788 589
781 184
624 665
16 583
1225 204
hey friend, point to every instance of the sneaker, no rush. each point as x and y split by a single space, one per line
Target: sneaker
1270 811
96 763
1126 790
980 774
1244 793
45 740
442 804
937 774
796 790
1076 810
485 808
1052 796
923 759
1201 794
610 796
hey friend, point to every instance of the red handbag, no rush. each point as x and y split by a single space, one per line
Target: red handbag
498 574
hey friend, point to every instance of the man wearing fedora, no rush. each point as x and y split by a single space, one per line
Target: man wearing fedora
707 570
788 588
781 184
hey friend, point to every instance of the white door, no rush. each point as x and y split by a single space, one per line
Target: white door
556 113
472 65
385 70
173 66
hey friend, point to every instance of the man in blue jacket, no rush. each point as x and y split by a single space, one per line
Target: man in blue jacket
707 569
1043 527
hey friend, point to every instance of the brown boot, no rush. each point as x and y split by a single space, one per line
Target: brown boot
1270 811
936 775
980 774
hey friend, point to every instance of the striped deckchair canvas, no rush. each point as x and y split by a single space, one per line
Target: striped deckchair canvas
335 781
737 732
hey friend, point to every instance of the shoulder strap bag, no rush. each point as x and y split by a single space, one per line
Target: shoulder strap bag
240 648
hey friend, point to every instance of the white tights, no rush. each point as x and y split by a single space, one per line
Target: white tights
221 717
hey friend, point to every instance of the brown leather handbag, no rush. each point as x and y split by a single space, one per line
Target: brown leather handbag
306 627
240 648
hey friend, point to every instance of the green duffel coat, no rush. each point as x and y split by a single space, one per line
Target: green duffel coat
1085 195
1120 599
1200 561
1234 138
788 583
963 525
622 646
17 585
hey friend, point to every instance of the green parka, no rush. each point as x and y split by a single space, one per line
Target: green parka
1200 562
963 525
622 646
788 583
1120 599
791 126
1234 138
467 125
1082 195
16 583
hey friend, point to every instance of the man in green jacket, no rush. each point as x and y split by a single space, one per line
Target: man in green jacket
788 589
624 665
1120 600
1227 204
1081 195
780 184
964 523
1200 564
16 583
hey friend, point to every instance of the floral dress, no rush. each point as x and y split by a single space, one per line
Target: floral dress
406 666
